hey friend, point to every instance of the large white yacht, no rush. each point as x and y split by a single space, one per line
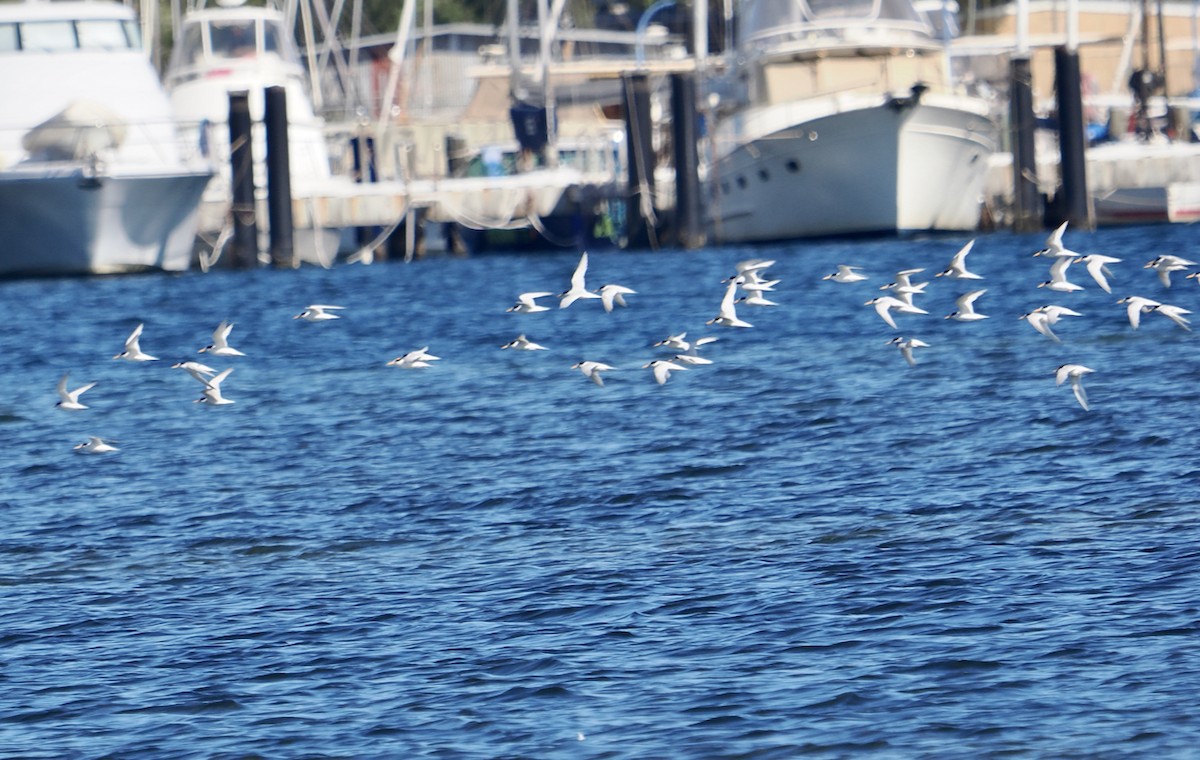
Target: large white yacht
92 180
845 122
230 48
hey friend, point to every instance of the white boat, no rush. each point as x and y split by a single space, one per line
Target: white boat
92 180
845 123
228 49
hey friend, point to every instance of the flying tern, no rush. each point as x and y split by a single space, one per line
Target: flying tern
133 349
70 399
614 294
966 307
1074 373
521 343
846 274
318 312
957 270
662 369
95 445
527 303
906 346
220 342
592 370
884 305
578 287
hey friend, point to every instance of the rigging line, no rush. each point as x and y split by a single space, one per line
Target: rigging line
535 221
366 253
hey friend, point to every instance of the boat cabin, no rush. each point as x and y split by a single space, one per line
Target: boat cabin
217 38
797 49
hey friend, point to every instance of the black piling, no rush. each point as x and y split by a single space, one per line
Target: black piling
640 223
458 157
244 241
1027 211
1074 206
689 229
279 178
362 148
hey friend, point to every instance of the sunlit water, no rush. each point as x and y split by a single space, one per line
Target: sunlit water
806 548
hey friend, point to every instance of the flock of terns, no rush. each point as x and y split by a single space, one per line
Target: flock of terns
748 286
748 280
904 290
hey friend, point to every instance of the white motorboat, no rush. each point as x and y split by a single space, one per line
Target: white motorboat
233 48
845 122
92 180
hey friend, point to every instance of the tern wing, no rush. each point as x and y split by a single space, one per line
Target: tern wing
1042 325
1080 393
1058 269
221 334
132 341
967 300
607 296
884 310
960 259
1096 268
1055 239
529 299
727 307
214 383
580 272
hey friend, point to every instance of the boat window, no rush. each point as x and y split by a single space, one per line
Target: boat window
232 39
793 19
191 47
8 38
103 34
48 36
271 39
870 10
843 9
133 33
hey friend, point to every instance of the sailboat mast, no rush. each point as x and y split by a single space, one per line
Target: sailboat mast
1162 51
515 86
396 56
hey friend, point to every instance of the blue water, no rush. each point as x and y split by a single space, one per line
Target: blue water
808 548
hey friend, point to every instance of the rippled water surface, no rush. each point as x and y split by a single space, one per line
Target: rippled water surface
805 548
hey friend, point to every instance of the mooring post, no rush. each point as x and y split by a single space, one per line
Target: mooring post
458 157
279 178
689 232
1027 212
639 193
244 241
1075 207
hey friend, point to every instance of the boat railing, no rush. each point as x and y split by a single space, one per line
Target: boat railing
143 142
840 33
208 140
391 156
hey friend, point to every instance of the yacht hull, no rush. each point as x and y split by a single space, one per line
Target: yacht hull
884 167
69 223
